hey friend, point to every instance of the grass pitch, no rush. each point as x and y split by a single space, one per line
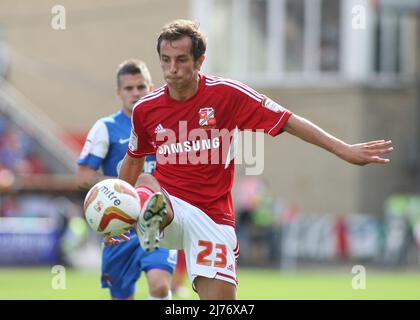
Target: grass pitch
36 283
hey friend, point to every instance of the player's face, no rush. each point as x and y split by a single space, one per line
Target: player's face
132 88
177 62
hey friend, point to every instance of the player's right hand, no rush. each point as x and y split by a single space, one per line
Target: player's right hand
110 241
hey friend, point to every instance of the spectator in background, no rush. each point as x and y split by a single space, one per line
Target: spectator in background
255 217
246 201
18 152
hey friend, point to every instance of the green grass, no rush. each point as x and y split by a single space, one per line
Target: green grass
35 283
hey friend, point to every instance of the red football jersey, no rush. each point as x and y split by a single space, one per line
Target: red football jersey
192 139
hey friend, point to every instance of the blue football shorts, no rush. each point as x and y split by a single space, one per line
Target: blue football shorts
123 263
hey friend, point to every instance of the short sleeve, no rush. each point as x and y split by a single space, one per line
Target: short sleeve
140 143
96 146
254 111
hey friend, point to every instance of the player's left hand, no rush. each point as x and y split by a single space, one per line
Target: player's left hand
368 152
110 241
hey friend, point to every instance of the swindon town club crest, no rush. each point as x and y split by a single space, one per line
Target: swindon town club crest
206 118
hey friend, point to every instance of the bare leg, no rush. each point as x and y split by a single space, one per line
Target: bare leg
214 289
159 283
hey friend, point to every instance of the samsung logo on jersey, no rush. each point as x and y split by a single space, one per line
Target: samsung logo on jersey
187 146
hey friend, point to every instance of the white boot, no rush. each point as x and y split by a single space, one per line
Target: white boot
149 221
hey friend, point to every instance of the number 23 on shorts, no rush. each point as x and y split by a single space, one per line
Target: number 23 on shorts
219 262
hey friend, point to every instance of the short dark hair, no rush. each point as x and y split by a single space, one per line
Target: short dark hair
133 66
184 28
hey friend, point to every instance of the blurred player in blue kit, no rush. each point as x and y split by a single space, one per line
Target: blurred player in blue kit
105 147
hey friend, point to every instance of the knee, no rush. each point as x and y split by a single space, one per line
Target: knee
159 288
146 179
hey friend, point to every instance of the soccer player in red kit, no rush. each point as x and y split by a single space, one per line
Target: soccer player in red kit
190 124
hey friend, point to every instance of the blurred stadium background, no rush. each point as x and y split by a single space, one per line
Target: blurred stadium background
351 66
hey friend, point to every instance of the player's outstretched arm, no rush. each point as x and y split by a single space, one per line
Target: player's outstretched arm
358 154
131 169
87 177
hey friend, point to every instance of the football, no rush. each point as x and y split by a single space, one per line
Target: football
111 207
